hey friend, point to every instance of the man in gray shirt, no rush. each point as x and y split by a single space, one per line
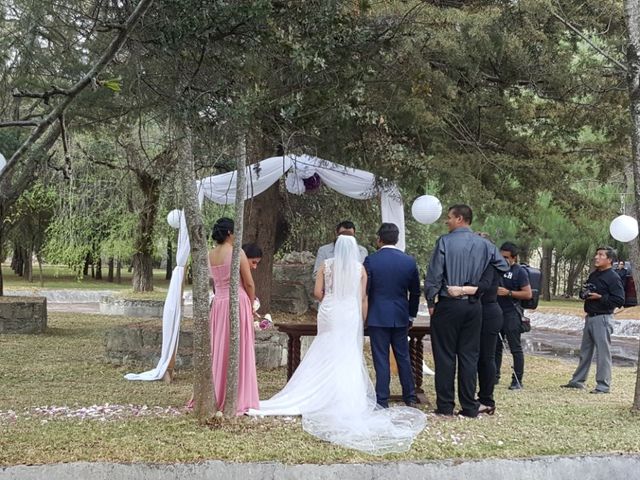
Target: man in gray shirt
459 258
325 252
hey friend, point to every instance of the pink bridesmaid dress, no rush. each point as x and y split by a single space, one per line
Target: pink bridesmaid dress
220 329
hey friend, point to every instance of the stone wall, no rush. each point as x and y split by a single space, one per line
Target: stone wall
131 308
23 314
292 290
140 344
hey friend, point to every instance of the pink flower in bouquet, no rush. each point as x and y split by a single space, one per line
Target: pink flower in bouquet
266 322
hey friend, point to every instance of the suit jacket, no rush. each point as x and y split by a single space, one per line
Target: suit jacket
393 287
325 252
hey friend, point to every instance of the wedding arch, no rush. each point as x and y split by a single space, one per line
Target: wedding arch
302 172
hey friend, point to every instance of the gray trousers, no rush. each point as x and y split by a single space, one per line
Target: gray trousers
596 336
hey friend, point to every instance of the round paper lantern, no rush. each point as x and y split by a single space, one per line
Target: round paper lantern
624 228
3 162
173 218
426 209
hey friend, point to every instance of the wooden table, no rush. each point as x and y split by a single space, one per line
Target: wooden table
416 334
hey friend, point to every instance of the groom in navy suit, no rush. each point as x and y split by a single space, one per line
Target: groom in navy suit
393 288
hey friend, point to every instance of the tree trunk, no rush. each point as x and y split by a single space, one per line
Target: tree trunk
169 260
575 269
632 19
545 268
28 265
118 271
110 270
203 394
87 262
231 394
556 279
40 271
143 257
99 269
262 215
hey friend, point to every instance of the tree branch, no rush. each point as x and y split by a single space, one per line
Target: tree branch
19 123
593 45
75 90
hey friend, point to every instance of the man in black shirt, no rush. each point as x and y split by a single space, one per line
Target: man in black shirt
514 287
602 294
459 259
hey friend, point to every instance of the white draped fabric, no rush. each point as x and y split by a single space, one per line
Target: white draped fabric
172 312
221 189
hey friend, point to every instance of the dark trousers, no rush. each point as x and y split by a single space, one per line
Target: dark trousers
455 336
511 333
381 338
491 326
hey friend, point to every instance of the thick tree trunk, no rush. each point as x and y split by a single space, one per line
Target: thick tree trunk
262 215
143 257
545 268
203 394
231 394
632 18
169 260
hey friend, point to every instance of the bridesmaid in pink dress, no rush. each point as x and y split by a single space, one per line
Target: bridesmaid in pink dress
220 267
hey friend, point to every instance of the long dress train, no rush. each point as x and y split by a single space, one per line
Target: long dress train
331 388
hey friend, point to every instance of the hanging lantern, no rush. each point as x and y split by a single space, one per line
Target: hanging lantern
3 162
173 219
426 209
624 228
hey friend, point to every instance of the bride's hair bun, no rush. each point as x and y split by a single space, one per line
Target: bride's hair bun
222 229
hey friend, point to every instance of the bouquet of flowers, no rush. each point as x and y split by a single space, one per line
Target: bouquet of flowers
263 322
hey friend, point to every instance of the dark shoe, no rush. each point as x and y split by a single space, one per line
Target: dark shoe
462 413
486 410
516 386
595 390
577 386
444 414
411 404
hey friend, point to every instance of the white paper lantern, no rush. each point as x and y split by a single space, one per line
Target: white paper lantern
426 209
173 218
624 228
3 162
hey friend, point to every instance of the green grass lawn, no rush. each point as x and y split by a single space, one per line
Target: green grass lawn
64 367
59 277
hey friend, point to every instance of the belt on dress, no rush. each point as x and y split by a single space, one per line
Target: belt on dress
598 314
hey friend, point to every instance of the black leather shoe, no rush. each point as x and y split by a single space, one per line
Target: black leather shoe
595 390
444 414
411 404
515 386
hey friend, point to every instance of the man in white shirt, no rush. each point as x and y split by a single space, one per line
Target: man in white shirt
325 252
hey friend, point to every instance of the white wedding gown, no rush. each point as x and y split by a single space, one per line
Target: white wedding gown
331 388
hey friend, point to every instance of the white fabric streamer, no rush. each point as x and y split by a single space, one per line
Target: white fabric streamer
172 312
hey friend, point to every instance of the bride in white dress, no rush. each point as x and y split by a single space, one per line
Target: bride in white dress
331 388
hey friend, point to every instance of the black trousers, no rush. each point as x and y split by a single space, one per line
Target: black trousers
511 333
491 326
455 336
